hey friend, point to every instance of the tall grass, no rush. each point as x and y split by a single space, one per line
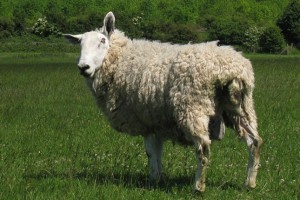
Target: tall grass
55 143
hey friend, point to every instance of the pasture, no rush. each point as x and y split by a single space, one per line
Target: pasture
55 143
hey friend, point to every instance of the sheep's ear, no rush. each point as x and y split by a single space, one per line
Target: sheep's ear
108 24
75 39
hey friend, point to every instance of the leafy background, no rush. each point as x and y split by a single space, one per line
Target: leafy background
177 21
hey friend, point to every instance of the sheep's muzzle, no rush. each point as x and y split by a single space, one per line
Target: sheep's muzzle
83 70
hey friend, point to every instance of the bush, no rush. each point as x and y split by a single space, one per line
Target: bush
251 39
271 41
4 34
6 27
19 16
170 32
44 29
182 33
227 31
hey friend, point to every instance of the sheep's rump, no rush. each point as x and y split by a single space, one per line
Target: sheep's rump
155 85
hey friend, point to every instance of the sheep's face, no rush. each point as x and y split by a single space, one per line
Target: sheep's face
94 46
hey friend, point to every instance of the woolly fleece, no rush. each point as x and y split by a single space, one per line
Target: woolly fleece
146 87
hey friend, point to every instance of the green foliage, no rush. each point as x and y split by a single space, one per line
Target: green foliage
131 23
175 21
183 33
6 28
228 31
171 32
19 17
56 14
289 23
271 40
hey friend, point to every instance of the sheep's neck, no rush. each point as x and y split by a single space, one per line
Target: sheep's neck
104 76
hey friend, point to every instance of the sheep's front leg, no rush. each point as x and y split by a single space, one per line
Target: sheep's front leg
196 128
153 146
202 153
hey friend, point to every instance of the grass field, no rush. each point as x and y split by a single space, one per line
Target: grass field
55 143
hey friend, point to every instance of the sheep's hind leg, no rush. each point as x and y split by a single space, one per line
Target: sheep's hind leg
153 146
254 142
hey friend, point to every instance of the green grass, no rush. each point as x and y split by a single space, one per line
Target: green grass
56 144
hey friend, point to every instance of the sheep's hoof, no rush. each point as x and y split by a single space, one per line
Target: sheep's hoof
200 188
250 184
158 179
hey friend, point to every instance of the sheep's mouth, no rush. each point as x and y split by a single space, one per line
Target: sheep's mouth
85 74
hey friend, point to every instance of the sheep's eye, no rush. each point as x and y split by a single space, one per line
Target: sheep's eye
102 41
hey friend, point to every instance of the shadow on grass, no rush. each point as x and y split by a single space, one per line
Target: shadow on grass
136 180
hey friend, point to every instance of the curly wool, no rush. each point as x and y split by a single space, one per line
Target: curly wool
147 87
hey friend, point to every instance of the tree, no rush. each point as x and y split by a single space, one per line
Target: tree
289 23
251 39
271 41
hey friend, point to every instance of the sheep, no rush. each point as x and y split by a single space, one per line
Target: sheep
184 93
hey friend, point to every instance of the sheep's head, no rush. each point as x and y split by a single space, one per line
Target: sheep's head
94 46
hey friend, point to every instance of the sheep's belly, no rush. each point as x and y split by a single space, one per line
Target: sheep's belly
137 121
144 122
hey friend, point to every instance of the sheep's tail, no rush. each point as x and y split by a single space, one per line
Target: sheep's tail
248 108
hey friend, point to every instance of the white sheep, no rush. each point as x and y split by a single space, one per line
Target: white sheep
185 93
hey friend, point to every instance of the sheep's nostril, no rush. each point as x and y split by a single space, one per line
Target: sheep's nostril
83 69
